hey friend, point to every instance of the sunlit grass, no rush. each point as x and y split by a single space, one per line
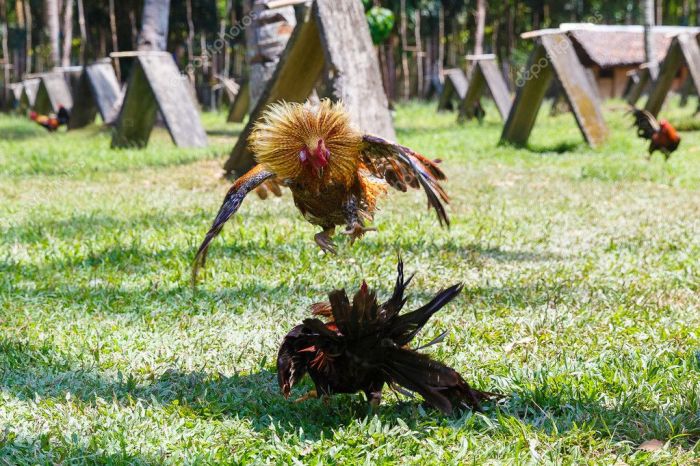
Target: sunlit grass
581 301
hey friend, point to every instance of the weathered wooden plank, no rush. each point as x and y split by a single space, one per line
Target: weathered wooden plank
105 90
334 34
554 57
580 92
351 59
454 89
684 49
156 85
84 107
485 75
497 86
53 93
241 104
528 99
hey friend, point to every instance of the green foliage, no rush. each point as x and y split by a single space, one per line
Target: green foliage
381 23
581 302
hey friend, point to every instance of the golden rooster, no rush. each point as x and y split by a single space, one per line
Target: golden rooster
336 173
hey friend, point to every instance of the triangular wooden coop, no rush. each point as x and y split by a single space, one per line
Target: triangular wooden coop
98 90
333 36
15 96
28 96
684 50
454 89
554 57
485 76
53 93
155 85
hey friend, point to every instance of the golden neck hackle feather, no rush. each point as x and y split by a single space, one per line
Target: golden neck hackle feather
288 128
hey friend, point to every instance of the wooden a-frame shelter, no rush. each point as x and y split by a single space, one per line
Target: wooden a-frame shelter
554 57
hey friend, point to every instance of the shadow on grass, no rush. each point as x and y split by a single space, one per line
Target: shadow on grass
29 371
20 132
231 133
559 148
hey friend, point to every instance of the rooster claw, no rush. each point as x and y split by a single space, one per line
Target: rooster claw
357 231
325 242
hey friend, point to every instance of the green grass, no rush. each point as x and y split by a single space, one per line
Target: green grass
582 302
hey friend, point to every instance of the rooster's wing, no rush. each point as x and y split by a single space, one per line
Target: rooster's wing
232 202
402 168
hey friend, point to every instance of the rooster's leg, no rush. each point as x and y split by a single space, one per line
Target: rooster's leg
312 395
355 228
325 240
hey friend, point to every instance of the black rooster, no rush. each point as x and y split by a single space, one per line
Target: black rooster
363 346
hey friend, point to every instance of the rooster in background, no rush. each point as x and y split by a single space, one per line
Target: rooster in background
336 174
662 135
363 346
51 122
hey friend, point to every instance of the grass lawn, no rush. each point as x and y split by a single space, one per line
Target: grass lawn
582 302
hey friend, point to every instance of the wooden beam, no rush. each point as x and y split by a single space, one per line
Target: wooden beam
283 3
684 49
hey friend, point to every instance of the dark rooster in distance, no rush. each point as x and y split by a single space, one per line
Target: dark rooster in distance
662 135
336 173
51 122
364 345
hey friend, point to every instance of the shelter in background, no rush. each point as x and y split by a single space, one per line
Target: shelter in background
554 57
454 89
612 51
98 90
30 86
155 85
684 52
485 77
54 92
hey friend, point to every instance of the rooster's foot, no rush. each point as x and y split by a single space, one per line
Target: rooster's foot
325 241
357 231
312 395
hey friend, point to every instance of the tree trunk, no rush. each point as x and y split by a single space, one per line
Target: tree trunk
83 31
115 37
67 33
419 54
480 26
441 40
28 35
190 41
154 25
405 71
649 36
53 31
5 52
